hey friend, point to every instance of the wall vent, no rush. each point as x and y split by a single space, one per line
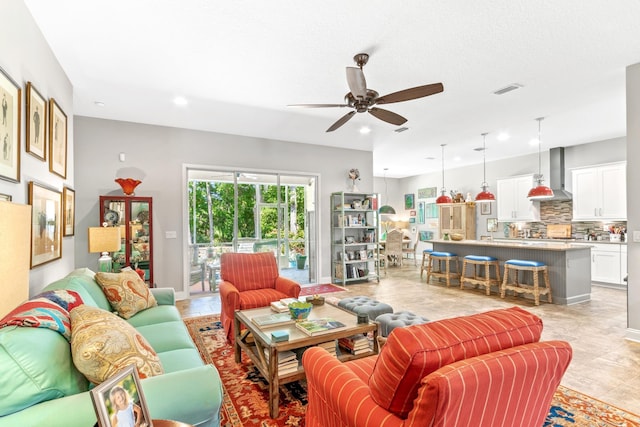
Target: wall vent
402 129
509 88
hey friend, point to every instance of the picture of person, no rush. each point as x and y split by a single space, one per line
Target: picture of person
36 124
125 412
5 105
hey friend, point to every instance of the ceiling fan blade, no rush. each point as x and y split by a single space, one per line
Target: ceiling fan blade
344 119
413 93
387 116
356 81
317 105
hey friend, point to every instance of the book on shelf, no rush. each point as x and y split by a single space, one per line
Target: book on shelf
355 344
330 347
319 326
275 319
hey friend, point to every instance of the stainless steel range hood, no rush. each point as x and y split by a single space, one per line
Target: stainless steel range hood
556 174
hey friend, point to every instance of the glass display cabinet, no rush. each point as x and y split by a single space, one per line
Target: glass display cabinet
133 215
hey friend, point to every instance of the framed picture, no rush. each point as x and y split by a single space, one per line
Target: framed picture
492 224
412 213
36 123
485 208
69 209
57 139
427 193
424 235
5 197
412 220
10 100
46 233
119 400
420 212
409 202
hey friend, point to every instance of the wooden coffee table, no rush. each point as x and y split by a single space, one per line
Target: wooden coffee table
256 341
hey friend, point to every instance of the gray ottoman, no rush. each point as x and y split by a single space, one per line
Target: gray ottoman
362 304
389 321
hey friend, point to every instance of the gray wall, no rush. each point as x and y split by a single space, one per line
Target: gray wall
633 204
156 155
25 56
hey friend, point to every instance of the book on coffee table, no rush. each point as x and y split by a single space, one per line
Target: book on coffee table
275 319
319 326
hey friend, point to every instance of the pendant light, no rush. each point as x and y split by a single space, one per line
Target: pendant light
540 191
444 198
485 195
386 209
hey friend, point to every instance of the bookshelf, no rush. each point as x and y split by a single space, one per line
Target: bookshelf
355 252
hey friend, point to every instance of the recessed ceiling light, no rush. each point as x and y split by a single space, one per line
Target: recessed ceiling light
503 136
457 158
99 103
533 141
429 158
365 130
180 101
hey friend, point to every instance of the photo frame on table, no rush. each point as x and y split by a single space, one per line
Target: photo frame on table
122 388
485 208
57 139
36 123
10 110
5 197
46 224
69 209
409 201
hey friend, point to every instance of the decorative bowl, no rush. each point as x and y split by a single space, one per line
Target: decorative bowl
128 185
300 310
457 237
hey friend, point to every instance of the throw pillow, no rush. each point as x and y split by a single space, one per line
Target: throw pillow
126 292
102 344
49 309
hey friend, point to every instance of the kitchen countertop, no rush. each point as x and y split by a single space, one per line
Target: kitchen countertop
581 241
538 244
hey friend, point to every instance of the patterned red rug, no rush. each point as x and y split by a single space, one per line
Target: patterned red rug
320 289
246 393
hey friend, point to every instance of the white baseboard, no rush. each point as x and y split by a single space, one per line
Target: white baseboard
632 335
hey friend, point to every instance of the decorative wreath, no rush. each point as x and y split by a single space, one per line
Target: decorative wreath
354 174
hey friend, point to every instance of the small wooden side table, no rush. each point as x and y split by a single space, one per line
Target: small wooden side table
169 423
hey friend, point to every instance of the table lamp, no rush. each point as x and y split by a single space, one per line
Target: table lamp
104 240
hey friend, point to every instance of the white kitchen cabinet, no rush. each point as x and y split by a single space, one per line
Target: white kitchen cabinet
512 203
600 193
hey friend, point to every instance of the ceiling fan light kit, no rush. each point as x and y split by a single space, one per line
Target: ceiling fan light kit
364 100
485 195
540 191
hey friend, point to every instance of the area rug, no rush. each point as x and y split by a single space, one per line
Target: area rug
246 393
320 289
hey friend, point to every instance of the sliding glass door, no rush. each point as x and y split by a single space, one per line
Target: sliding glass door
244 211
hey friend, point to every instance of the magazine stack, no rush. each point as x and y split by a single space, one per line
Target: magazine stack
355 344
287 362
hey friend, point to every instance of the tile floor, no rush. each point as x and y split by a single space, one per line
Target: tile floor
604 365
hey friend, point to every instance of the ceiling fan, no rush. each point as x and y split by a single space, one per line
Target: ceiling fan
363 100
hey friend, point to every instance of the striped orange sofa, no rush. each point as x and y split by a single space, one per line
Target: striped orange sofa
487 369
250 280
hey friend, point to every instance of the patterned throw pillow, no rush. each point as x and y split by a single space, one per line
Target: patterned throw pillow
49 309
126 292
102 344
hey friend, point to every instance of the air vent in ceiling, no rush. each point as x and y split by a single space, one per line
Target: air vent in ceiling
509 88
402 129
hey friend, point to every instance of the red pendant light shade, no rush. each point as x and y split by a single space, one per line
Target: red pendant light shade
540 191
485 195
443 197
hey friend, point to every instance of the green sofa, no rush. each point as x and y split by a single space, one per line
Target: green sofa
40 386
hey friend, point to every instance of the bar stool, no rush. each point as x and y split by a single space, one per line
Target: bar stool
440 272
481 261
425 261
517 265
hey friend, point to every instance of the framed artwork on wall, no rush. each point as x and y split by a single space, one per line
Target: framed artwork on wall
5 197
426 193
485 208
57 139
420 212
409 201
10 102
69 209
36 123
120 401
46 214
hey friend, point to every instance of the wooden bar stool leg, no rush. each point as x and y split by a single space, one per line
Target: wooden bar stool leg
545 273
487 278
536 289
503 288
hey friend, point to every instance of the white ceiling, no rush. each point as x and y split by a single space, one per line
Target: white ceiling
239 63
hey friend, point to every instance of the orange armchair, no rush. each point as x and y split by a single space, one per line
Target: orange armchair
483 370
250 280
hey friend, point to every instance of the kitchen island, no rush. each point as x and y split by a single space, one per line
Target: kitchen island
569 265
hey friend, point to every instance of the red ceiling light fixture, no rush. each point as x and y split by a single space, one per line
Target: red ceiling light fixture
485 195
540 191
443 196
